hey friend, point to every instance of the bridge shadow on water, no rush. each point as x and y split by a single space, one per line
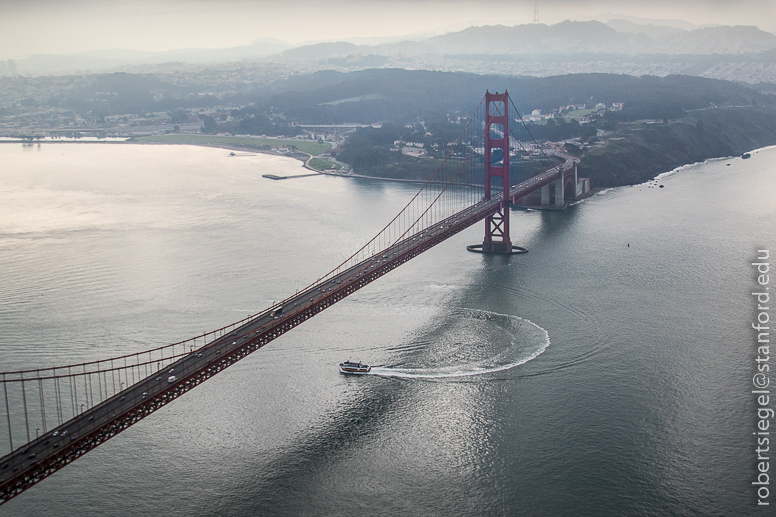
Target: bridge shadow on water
290 483
372 451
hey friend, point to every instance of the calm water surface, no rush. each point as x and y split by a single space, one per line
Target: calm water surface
583 378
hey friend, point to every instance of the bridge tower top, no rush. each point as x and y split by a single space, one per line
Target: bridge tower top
496 139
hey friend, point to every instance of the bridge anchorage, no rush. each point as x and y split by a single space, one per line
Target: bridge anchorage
54 415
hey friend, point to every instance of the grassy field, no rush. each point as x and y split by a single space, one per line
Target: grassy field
578 114
310 147
323 165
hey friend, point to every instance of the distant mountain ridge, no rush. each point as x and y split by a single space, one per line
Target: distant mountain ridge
721 40
100 60
322 50
650 29
660 22
562 37
618 36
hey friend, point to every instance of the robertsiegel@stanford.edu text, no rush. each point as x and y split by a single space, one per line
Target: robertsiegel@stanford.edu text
761 379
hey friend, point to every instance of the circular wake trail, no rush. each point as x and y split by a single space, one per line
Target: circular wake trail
527 341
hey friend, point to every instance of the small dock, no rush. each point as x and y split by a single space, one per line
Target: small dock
275 177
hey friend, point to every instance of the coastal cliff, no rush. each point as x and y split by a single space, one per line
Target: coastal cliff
637 154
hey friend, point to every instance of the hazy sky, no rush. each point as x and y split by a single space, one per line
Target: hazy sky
58 26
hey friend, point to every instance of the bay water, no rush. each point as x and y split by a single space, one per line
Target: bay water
606 372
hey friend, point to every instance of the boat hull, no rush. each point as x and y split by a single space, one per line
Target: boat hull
354 368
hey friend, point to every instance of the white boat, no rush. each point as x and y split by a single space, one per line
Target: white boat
350 367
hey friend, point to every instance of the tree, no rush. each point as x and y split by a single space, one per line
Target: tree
209 124
179 116
573 149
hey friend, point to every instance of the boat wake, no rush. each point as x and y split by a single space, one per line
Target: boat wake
491 341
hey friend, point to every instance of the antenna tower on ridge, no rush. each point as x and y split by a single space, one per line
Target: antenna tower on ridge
536 13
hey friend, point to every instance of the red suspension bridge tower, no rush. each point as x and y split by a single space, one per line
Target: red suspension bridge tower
497 168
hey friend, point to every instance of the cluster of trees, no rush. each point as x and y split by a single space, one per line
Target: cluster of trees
368 151
249 121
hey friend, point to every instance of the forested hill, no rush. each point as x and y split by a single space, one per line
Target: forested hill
403 96
381 95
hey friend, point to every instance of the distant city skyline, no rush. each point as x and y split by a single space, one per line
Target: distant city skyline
49 27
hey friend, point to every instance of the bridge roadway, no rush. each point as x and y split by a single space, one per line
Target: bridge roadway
56 448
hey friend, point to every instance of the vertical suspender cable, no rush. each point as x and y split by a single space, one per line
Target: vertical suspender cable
99 384
74 394
58 397
24 399
8 413
86 388
91 392
42 403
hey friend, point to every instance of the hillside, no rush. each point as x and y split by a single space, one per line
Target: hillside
638 155
405 96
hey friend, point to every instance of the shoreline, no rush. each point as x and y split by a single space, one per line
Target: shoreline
704 162
229 147
306 160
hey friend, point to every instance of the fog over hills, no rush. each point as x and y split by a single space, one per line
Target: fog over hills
620 44
118 59
654 32
660 22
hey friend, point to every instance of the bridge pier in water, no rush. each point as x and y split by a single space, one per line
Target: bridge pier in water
553 195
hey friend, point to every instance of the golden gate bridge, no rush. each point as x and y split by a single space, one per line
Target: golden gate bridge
54 415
